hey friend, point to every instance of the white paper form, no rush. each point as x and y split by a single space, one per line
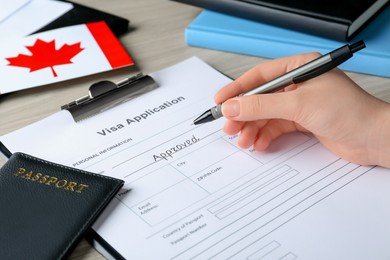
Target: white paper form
191 193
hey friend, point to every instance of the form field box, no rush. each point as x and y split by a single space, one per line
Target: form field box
257 196
169 202
256 184
284 143
142 188
204 157
225 172
264 251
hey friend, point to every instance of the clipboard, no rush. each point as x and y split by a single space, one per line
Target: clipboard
105 94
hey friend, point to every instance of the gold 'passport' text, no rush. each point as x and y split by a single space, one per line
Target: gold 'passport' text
50 180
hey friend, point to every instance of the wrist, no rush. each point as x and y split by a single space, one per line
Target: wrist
379 147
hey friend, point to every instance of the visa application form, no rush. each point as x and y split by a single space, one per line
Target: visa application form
192 193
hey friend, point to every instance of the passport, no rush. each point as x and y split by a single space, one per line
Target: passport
46 208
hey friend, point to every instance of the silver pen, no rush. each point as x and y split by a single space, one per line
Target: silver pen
307 71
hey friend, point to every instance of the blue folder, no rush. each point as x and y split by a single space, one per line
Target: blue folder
232 34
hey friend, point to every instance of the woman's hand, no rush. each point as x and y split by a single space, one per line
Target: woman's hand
347 120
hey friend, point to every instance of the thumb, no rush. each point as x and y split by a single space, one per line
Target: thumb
280 105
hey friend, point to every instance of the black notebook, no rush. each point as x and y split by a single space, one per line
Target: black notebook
81 14
336 19
46 208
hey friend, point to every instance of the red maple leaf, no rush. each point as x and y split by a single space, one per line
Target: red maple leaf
44 54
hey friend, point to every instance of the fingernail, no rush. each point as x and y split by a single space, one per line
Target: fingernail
231 108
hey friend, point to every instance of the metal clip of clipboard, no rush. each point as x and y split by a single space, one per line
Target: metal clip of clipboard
104 95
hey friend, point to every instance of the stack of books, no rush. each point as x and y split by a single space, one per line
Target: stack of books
227 30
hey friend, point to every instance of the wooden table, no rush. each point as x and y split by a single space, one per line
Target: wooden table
155 40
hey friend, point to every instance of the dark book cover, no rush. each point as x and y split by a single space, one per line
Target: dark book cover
81 14
46 208
335 19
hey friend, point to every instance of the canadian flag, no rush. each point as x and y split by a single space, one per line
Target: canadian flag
58 55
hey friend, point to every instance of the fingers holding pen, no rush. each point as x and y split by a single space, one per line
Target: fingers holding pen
260 119
261 74
265 106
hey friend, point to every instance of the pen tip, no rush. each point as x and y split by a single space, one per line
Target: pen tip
204 118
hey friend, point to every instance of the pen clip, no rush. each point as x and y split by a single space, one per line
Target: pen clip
338 56
318 71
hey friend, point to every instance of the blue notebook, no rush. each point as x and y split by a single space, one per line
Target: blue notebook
232 34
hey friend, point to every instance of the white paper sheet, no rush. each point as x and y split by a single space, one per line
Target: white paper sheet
29 18
10 7
191 193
